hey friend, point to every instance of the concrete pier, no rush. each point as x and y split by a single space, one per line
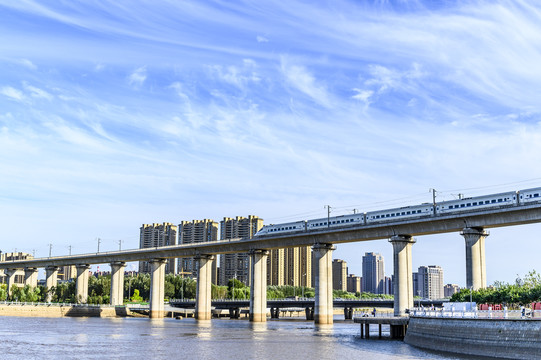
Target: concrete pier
82 283
403 282
117 282
157 288
204 287
323 312
31 276
258 285
51 280
475 257
10 273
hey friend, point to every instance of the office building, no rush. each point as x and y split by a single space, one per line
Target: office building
373 273
194 232
237 266
339 274
156 235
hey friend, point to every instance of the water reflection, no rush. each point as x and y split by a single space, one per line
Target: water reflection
128 338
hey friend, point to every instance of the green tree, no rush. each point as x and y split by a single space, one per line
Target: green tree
136 297
3 292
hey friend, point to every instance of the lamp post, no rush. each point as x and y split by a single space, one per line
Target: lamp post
303 284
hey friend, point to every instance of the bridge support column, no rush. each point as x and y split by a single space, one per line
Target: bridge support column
403 282
157 288
475 257
258 285
204 288
82 283
323 312
117 282
51 280
10 278
31 277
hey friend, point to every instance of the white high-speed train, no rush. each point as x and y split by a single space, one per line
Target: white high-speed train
513 198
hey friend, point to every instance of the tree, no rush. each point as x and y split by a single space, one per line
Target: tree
136 297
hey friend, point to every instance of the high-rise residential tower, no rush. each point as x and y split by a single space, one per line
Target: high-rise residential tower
373 273
339 275
156 235
237 265
194 232
428 282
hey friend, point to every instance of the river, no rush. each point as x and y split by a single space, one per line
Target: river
143 338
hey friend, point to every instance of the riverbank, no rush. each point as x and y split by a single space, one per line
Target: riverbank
499 338
61 310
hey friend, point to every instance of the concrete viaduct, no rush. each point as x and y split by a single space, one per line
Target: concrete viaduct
471 226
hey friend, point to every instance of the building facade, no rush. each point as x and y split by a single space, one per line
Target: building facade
194 232
339 275
19 274
450 289
354 283
156 235
428 282
237 266
373 273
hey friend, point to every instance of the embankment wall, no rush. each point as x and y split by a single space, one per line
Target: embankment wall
60 311
499 338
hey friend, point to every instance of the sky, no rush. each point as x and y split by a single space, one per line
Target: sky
115 114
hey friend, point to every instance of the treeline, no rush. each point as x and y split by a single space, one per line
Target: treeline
521 293
137 289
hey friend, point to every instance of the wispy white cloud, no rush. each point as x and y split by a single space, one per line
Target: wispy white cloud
303 80
138 77
12 93
37 93
28 64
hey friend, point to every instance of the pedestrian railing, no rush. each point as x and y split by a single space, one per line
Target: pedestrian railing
478 314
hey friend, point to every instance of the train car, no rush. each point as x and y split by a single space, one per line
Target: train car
335 221
530 195
477 202
282 228
400 213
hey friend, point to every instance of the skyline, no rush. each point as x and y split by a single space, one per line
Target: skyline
113 115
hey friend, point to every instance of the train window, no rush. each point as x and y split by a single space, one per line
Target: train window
493 201
535 195
474 204
462 205
468 204
500 200
418 211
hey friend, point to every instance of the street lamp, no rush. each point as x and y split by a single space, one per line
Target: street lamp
303 284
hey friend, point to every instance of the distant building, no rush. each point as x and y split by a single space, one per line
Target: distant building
67 272
373 273
428 282
195 232
237 265
354 283
339 275
156 235
450 289
389 289
19 274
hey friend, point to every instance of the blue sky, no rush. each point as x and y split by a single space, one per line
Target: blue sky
115 113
